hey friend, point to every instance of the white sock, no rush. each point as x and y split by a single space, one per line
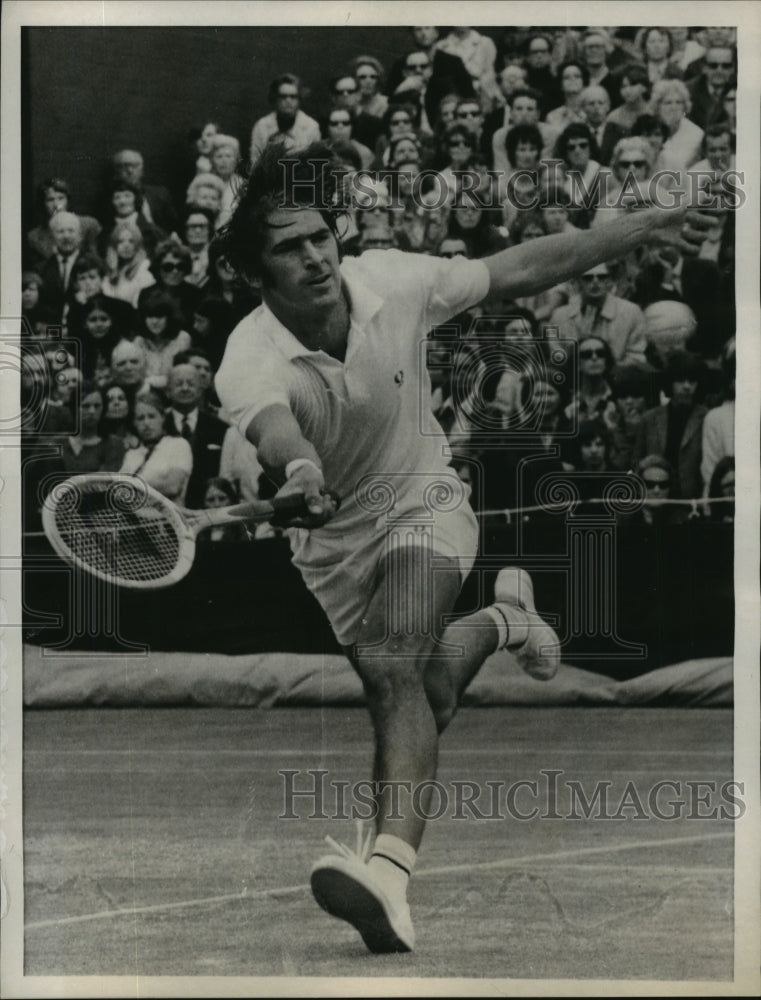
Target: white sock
511 622
391 863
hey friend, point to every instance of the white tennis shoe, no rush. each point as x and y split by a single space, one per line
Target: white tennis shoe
345 888
539 652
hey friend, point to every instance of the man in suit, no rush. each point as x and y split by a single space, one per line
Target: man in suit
446 73
708 89
57 273
675 429
596 46
128 165
204 432
595 104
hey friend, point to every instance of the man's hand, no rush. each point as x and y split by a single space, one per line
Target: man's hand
307 480
684 228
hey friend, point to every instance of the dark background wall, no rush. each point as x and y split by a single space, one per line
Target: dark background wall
90 91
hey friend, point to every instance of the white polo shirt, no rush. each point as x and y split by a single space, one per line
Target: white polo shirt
371 413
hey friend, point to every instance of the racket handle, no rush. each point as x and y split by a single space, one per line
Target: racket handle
286 508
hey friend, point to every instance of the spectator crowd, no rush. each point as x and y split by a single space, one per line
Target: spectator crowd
465 144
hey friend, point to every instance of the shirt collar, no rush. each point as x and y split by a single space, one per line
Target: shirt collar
363 305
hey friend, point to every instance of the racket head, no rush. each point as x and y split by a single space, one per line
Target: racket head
119 529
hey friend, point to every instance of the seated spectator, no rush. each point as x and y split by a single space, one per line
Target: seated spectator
657 48
400 120
89 273
31 302
91 448
722 486
718 441
669 325
671 104
162 460
457 151
707 91
540 73
573 79
657 475
577 150
52 196
729 105
594 394
632 167
286 122
225 156
213 322
339 126
369 74
57 271
171 267
595 105
205 191
156 207
225 284
597 312
220 492
65 387
718 149
160 334
655 131
124 205
634 90
129 369
194 157
447 75
555 208
98 333
117 418
478 54
685 50
128 269
476 224
596 48
524 110
674 429
633 391
520 185
203 432
200 360
197 231
416 73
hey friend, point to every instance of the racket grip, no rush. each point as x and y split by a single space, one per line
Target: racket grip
287 508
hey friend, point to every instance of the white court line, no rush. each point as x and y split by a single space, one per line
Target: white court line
422 872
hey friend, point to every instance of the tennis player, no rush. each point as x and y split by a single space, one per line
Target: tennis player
324 378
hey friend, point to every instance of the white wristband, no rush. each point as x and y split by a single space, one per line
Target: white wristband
297 463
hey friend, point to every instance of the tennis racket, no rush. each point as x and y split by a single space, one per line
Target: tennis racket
122 530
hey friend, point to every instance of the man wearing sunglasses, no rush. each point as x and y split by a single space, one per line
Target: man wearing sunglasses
707 91
447 72
597 312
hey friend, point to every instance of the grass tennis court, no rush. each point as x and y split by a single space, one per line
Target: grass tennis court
153 847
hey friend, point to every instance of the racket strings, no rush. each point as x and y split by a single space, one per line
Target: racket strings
139 544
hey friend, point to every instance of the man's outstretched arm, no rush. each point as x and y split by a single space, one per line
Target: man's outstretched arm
531 267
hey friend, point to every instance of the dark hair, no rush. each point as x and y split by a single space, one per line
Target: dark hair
589 430
683 365
394 107
717 129
153 397
634 73
522 133
176 249
633 380
345 152
647 124
535 95
224 485
607 353
524 219
121 185
279 81
533 37
157 302
576 130
648 31
722 467
310 182
88 262
457 129
198 210
183 357
573 62
394 144
51 183
550 375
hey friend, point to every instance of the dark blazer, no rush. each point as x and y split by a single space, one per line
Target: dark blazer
651 440
610 136
161 206
449 76
54 293
206 445
706 109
